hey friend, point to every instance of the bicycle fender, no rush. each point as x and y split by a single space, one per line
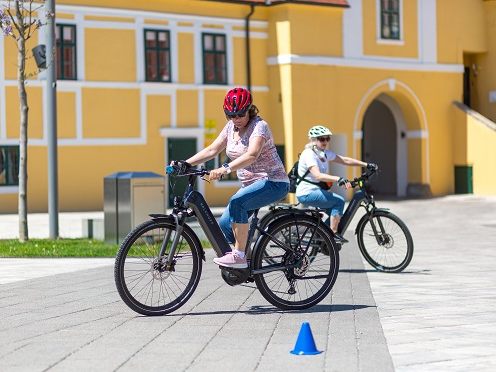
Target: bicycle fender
191 232
367 216
293 213
290 214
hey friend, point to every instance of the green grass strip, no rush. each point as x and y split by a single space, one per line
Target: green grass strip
57 248
61 248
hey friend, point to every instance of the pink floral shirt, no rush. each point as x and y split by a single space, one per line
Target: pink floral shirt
268 165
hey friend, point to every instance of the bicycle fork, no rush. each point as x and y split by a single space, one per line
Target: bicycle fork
180 219
380 237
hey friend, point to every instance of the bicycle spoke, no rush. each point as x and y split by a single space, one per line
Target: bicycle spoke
148 283
307 274
392 249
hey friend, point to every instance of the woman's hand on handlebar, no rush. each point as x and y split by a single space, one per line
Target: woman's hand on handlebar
217 174
343 182
177 167
372 167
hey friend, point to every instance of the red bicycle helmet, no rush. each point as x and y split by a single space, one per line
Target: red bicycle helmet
237 101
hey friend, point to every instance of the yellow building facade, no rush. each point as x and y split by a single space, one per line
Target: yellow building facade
384 80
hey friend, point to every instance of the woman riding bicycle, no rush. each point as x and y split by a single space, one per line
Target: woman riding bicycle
313 167
249 144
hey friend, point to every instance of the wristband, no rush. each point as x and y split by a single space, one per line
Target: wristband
227 167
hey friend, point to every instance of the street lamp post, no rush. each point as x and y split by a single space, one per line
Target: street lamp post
51 95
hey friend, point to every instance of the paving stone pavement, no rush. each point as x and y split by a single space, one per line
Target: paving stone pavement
436 316
76 321
439 315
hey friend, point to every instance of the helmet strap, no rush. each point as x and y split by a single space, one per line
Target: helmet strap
320 153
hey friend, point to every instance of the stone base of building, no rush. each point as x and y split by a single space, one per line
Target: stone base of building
418 190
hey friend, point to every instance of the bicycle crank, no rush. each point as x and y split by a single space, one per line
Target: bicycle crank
235 276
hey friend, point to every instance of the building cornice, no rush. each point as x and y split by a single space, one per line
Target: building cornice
371 63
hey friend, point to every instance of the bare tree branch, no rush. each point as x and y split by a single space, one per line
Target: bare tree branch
12 19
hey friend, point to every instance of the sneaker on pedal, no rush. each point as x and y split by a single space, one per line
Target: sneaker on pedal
231 260
340 239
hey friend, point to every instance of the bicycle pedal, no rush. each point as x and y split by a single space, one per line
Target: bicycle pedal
340 239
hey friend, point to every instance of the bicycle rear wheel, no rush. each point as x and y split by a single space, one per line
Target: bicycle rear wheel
290 278
144 282
391 250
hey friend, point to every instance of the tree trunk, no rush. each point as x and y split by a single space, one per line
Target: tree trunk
23 140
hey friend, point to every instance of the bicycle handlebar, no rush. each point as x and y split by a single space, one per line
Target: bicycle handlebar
364 177
181 168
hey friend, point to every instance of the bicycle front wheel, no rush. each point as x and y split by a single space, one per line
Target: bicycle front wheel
144 281
385 242
292 275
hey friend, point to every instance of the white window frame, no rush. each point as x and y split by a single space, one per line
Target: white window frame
379 38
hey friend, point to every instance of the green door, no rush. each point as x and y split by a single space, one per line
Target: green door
179 149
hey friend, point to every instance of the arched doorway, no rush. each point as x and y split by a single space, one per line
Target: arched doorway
380 145
390 128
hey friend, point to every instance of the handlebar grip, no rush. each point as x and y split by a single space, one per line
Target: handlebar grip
372 167
169 169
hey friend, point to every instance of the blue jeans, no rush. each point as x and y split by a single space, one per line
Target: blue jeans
246 200
332 203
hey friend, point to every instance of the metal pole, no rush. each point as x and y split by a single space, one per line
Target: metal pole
51 95
247 46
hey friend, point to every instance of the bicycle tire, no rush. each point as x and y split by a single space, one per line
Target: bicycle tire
137 262
324 267
381 256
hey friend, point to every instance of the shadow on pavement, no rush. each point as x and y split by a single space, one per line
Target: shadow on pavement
255 310
358 271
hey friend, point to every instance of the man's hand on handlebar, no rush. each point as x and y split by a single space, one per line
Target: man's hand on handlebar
343 182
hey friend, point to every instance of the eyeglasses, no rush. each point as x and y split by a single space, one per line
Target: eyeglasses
322 139
241 115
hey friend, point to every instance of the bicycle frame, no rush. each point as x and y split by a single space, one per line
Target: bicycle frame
207 221
369 206
360 199
194 200
352 208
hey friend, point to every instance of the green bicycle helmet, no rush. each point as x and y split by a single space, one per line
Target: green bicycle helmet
318 131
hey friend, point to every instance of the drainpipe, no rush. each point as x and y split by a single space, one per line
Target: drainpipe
247 41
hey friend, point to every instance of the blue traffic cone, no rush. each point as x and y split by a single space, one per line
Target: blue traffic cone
305 344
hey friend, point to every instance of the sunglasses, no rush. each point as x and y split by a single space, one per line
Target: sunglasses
241 115
322 139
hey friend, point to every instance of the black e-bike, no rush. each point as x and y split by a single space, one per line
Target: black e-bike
383 238
159 263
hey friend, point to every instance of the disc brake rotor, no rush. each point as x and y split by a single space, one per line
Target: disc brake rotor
388 241
159 271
